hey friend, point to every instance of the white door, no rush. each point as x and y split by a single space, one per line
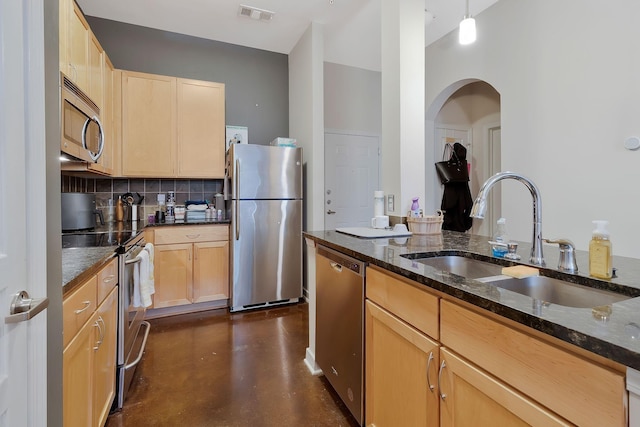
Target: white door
352 165
23 354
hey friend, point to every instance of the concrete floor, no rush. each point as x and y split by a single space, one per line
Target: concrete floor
220 369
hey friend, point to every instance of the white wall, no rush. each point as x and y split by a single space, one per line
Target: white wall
306 121
569 78
352 99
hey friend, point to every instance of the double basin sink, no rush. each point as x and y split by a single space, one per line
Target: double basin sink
542 288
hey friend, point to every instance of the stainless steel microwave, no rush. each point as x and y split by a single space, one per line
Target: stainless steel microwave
82 132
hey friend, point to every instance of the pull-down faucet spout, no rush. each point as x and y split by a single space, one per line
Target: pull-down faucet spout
480 206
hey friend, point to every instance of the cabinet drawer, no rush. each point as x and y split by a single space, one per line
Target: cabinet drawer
415 306
107 279
78 308
577 389
191 234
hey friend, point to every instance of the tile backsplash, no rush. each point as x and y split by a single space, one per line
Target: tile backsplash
111 188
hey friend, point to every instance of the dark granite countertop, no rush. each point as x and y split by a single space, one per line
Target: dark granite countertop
617 337
79 264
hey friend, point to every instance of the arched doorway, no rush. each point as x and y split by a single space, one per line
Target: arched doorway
469 112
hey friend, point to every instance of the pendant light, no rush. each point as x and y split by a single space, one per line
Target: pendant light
467 34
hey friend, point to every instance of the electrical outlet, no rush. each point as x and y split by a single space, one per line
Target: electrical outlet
390 203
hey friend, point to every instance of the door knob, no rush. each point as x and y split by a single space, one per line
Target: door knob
330 212
24 308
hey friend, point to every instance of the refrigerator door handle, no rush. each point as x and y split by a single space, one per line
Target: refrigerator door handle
237 199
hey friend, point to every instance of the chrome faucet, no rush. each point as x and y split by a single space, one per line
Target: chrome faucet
480 206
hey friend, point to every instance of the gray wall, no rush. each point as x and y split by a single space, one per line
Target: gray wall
256 81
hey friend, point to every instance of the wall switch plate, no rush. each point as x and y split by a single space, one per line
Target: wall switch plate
390 203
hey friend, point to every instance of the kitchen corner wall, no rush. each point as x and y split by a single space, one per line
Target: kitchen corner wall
106 188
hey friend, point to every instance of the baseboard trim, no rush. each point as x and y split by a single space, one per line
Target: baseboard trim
310 361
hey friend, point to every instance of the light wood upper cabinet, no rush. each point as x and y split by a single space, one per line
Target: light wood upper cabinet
172 127
74 44
201 124
96 72
107 118
148 125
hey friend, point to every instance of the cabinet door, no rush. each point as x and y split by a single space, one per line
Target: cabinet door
96 71
173 275
471 397
401 372
211 271
104 367
200 129
77 47
107 118
148 125
77 383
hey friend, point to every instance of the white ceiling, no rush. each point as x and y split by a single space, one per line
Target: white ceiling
219 20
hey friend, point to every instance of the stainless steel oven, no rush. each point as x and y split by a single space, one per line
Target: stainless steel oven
132 329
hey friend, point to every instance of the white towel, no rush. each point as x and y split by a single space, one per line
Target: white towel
145 291
136 285
149 248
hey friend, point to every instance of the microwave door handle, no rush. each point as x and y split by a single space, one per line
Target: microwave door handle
85 127
100 138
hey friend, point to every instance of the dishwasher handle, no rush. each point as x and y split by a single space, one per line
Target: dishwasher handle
340 261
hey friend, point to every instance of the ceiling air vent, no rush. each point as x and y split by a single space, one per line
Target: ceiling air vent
255 13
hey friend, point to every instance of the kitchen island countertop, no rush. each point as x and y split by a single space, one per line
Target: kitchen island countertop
615 336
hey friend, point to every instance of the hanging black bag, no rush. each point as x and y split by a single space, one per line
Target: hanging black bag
452 170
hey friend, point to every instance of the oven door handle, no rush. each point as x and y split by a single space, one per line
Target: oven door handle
136 260
147 326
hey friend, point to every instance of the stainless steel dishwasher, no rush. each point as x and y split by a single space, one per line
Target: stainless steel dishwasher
339 325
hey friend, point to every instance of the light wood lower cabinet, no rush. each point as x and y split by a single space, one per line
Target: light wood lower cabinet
191 264
483 372
89 358
401 372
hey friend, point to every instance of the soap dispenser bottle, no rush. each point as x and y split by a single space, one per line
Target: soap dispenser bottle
600 255
501 237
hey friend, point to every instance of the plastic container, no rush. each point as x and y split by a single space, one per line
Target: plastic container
500 236
600 254
378 203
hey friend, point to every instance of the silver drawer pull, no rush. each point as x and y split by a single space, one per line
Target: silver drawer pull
443 396
431 386
109 279
193 236
87 304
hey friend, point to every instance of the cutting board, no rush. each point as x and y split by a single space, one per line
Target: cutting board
372 233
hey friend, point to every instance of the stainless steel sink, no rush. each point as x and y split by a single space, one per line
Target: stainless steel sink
465 267
558 291
541 288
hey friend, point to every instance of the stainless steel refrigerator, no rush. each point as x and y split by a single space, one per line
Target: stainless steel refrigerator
264 186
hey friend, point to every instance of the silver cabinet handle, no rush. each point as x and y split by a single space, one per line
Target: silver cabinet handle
193 236
442 395
24 308
86 305
101 330
431 386
108 279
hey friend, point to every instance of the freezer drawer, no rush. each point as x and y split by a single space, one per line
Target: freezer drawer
266 247
339 325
